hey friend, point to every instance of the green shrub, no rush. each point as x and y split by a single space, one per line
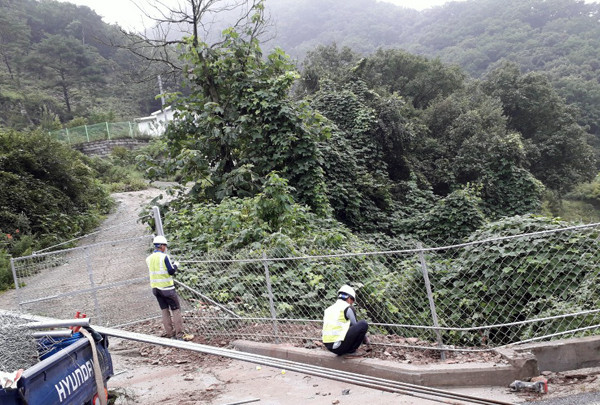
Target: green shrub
521 278
48 194
118 171
6 278
587 192
46 188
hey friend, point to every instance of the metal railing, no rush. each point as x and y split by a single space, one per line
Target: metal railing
97 132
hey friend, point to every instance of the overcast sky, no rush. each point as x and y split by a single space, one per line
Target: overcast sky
127 15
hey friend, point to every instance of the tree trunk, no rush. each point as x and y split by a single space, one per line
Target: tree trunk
65 90
8 67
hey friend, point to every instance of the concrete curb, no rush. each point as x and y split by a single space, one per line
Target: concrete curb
522 363
433 375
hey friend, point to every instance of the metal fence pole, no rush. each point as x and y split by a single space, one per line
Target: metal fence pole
107 131
430 296
130 129
157 221
14 272
90 270
271 304
87 135
68 137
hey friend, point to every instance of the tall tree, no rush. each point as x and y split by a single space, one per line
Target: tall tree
557 147
67 64
14 37
238 123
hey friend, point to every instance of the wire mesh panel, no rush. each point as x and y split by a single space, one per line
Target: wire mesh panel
108 281
481 294
18 348
107 278
285 297
513 289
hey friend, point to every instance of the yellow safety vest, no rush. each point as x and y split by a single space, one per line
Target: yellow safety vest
159 276
335 324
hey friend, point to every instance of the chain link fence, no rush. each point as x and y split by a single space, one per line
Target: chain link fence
106 278
98 132
481 294
475 296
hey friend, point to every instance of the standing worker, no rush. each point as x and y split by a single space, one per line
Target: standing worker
342 333
161 280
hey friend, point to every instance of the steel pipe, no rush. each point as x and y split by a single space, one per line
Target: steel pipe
427 393
58 323
62 333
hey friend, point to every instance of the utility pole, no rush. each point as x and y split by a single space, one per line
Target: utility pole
162 97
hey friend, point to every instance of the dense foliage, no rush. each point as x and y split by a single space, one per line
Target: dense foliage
58 63
560 37
407 139
48 193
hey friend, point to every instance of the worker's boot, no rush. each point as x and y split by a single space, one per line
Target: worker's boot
167 323
178 323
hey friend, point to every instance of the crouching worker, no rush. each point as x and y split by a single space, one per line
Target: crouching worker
342 333
163 287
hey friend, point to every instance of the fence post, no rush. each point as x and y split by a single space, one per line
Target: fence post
430 296
68 137
271 305
130 130
87 135
14 273
90 271
107 131
157 221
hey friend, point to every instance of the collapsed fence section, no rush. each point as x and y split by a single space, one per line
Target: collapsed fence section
107 281
481 294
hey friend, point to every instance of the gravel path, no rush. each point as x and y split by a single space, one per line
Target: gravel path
104 277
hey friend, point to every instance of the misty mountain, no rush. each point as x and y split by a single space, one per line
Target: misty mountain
558 37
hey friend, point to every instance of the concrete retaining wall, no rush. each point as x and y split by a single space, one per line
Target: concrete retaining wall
105 147
566 354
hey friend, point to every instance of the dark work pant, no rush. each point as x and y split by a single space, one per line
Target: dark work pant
166 298
354 338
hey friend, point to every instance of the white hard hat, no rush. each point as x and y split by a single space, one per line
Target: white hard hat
160 240
346 289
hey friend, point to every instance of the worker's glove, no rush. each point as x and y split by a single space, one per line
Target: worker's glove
176 265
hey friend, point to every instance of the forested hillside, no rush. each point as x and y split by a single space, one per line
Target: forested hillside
558 37
362 149
58 63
